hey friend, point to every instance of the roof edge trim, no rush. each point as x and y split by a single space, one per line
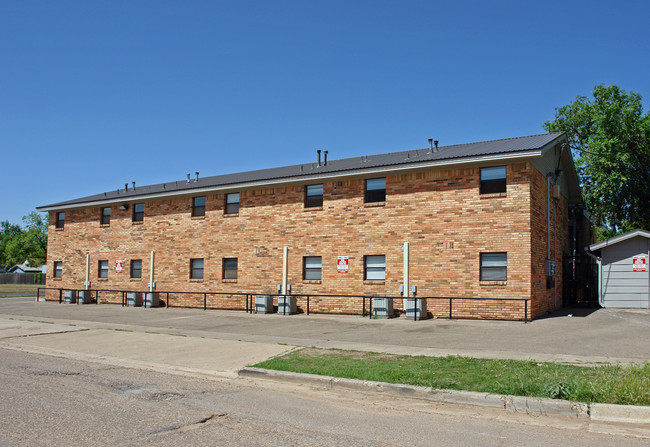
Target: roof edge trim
300 179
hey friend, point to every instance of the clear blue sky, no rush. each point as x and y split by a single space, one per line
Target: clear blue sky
96 94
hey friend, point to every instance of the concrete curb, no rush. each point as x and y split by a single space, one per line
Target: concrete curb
595 412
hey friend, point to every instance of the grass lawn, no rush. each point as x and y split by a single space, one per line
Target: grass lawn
12 289
616 384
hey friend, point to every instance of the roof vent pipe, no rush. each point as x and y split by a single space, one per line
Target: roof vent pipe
126 187
197 175
188 177
430 145
436 144
318 152
325 158
133 185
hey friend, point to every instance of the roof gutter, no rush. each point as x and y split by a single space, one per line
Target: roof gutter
301 179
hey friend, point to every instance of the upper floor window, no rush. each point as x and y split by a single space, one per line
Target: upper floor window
196 268
493 180
138 212
232 203
60 219
313 196
58 269
376 190
106 216
229 268
374 267
102 269
312 267
198 206
494 266
136 268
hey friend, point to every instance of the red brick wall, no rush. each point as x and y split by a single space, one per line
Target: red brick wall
439 212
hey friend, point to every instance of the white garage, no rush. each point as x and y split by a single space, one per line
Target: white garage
623 273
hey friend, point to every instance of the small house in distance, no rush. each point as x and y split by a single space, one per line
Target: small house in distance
624 276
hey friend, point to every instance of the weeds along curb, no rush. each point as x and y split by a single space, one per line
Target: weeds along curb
596 412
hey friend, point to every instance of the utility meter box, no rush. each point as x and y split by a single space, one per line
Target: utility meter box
134 299
151 299
83 297
263 304
287 305
415 306
70 296
382 307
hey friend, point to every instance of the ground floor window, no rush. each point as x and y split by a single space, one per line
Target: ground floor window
136 268
312 267
229 268
102 269
58 269
374 267
494 266
196 268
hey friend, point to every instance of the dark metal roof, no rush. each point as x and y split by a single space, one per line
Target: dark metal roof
401 159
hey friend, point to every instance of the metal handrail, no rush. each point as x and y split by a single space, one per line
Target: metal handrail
250 305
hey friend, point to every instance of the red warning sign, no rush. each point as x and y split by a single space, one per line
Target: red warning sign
639 264
118 266
342 264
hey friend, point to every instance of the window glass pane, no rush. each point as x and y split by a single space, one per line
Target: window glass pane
58 269
312 267
232 203
494 173
106 216
198 206
103 269
138 212
313 262
136 268
60 219
373 184
314 190
375 267
494 266
494 259
196 268
232 198
230 268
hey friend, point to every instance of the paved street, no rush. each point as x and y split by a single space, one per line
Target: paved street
106 375
50 401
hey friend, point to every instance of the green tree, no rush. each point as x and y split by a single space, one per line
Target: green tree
19 245
610 137
8 231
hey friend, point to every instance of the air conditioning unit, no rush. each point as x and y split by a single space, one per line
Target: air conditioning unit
151 299
134 299
287 305
263 304
415 308
70 296
382 308
83 297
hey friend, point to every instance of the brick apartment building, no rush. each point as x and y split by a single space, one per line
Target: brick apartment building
482 220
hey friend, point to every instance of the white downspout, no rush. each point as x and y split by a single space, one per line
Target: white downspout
151 284
87 283
406 270
285 269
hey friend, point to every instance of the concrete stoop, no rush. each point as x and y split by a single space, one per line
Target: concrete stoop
596 412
